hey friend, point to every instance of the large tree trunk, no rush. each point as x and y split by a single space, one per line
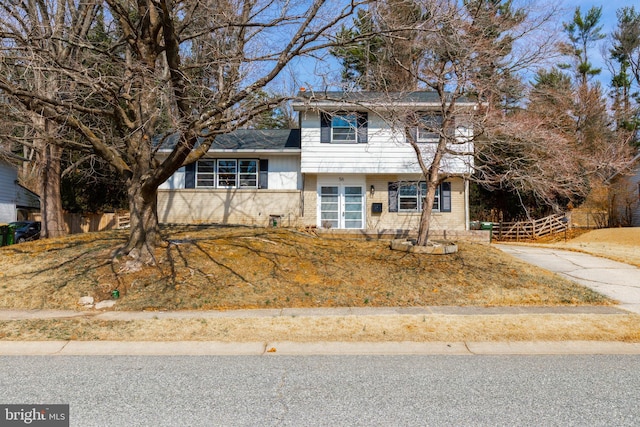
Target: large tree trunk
431 173
48 177
144 234
427 208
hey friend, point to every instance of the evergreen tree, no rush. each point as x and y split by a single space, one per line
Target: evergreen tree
379 51
583 32
625 51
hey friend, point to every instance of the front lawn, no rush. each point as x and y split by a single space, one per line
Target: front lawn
215 267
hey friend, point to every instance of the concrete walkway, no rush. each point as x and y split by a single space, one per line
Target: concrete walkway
615 280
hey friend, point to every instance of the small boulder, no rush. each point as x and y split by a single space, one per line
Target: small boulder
104 304
86 301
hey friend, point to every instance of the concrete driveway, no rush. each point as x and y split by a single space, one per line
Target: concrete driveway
616 280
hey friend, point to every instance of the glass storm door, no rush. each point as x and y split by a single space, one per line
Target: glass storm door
341 206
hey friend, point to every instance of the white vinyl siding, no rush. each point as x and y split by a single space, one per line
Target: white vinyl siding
175 181
284 173
385 152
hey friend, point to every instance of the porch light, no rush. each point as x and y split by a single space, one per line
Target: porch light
373 190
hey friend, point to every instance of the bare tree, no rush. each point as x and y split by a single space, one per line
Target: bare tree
31 36
469 54
139 71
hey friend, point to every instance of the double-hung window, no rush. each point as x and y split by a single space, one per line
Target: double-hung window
429 128
205 173
344 128
248 173
227 173
227 170
411 197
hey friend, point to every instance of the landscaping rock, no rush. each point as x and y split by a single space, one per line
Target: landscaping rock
432 248
86 301
104 304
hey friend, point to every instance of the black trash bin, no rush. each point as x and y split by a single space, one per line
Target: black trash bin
4 235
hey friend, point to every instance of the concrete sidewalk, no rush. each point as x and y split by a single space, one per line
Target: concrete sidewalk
615 280
321 348
299 312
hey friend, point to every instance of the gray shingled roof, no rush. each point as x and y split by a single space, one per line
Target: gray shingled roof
418 97
249 139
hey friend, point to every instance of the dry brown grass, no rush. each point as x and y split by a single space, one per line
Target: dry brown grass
418 328
619 244
239 267
243 267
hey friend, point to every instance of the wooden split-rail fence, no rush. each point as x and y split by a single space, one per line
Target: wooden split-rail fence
530 230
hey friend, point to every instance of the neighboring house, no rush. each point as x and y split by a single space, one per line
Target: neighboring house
16 202
347 167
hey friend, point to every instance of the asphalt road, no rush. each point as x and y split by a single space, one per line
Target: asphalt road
330 390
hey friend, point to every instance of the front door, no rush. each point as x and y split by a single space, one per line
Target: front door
342 206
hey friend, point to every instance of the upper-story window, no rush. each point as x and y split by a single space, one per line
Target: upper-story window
429 128
344 128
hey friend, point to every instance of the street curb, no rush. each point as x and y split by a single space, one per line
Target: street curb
289 348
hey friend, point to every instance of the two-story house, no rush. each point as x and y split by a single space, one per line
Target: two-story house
349 166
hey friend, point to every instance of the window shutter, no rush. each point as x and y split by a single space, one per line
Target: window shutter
363 128
393 197
445 197
190 175
325 128
263 180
